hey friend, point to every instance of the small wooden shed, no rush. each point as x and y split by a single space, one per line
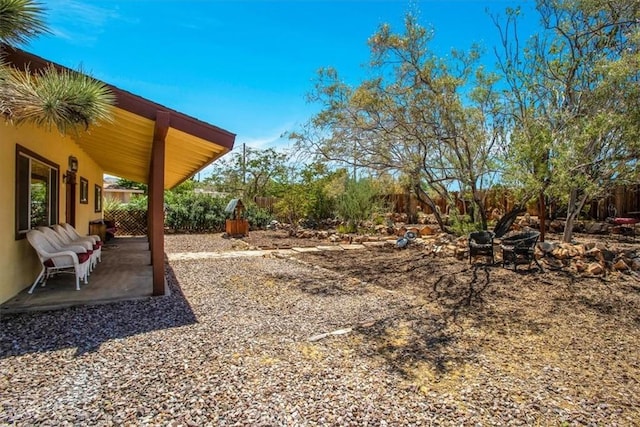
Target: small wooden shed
237 225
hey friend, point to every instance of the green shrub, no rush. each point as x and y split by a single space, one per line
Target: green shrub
357 203
258 218
187 211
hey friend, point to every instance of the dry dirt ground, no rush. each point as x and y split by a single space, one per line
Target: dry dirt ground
376 336
538 337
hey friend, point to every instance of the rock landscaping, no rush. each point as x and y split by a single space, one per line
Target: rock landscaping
375 336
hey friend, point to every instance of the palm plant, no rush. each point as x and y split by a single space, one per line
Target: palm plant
50 97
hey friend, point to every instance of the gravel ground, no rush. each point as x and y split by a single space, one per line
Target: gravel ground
231 346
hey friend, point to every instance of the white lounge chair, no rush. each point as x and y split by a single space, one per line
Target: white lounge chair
94 238
54 261
73 233
87 241
63 243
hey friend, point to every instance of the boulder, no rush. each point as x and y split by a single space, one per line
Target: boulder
334 238
595 269
596 228
547 247
608 256
427 231
576 251
589 245
360 239
556 226
594 253
561 253
620 265
308 234
553 263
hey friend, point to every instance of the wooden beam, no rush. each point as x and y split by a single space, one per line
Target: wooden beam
156 200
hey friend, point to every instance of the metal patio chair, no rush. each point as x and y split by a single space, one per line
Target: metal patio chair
481 244
520 249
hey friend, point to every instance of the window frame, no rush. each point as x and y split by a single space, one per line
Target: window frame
53 191
97 204
84 191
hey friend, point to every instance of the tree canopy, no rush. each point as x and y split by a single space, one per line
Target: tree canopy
558 118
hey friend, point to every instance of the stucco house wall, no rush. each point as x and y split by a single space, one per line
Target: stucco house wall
19 264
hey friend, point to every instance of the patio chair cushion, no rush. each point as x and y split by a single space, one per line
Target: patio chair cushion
82 258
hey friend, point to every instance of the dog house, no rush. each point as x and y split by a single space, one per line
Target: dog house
237 225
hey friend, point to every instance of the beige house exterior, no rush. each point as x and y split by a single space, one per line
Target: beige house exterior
121 195
147 142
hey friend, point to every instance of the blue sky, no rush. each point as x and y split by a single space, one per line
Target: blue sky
243 65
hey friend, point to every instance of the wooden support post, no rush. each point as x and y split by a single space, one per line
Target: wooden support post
156 200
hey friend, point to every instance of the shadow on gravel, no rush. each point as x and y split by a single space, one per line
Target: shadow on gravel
425 339
87 327
319 284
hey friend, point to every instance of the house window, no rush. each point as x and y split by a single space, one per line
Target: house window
37 191
98 198
84 191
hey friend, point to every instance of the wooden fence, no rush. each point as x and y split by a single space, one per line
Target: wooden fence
128 222
624 199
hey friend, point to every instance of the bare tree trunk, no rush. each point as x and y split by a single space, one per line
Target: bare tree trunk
542 215
479 202
573 210
424 197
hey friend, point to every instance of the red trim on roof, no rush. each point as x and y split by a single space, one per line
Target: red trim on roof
133 103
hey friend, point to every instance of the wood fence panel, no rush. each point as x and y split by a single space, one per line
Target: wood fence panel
128 222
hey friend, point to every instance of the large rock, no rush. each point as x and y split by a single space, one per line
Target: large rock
360 239
561 253
594 253
556 226
335 238
608 255
595 269
547 247
427 231
620 265
553 263
597 228
576 251
308 234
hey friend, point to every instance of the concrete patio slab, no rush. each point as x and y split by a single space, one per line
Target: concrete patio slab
125 273
352 247
374 244
301 250
330 248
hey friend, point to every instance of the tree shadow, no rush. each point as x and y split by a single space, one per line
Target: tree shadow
319 284
429 336
85 328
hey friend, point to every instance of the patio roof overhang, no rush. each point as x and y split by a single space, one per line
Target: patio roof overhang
123 147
